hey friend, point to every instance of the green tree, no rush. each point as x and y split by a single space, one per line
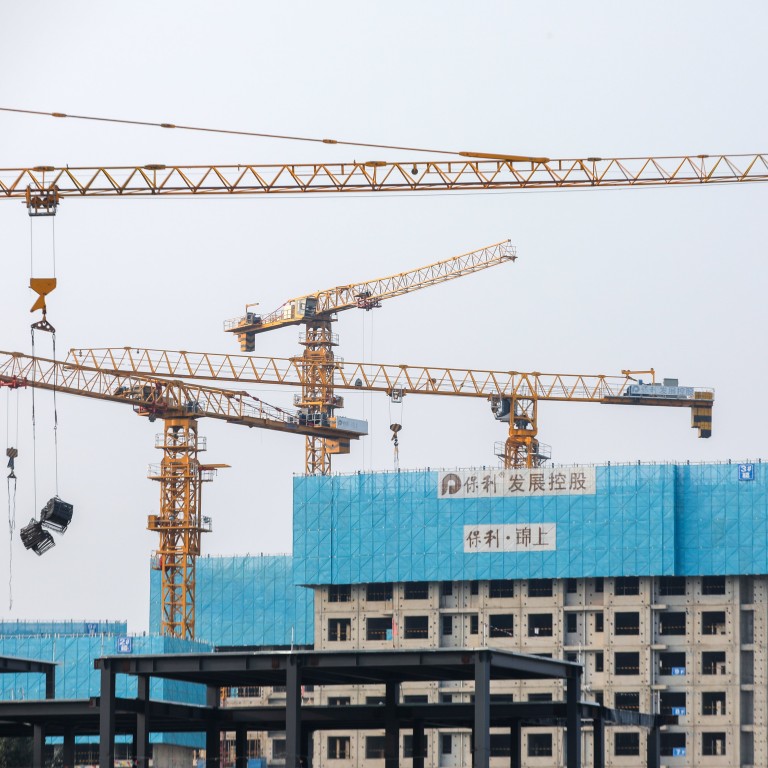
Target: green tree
15 752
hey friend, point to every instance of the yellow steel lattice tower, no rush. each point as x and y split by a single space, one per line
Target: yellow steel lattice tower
317 398
179 523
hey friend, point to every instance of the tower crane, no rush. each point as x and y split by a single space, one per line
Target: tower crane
42 187
316 312
179 522
514 396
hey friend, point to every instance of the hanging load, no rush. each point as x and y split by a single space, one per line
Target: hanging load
56 515
11 453
35 538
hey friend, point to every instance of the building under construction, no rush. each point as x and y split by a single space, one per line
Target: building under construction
651 576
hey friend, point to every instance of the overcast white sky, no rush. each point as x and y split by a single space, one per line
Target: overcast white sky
671 278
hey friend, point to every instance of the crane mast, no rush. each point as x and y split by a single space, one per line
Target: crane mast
179 522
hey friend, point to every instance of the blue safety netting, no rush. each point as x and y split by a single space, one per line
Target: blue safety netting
76 677
31 628
640 520
249 600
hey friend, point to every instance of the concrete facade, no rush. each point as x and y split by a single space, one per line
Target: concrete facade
690 646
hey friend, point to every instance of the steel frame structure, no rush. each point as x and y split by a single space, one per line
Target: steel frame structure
108 715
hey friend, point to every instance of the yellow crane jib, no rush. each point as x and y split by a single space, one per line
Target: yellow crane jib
323 305
475 171
509 392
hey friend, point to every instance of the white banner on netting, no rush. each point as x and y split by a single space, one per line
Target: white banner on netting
550 481
517 537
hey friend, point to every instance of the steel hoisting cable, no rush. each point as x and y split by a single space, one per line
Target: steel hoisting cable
11 487
55 420
55 381
55 375
34 432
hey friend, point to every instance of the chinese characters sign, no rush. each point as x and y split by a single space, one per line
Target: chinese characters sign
517 537
552 481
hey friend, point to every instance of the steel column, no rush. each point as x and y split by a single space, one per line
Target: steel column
418 744
50 683
38 742
598 742
482 730
573 720
107 718
392 727
68 751
292 712
515 746
212 732
141 738
307 743
241 747
653 748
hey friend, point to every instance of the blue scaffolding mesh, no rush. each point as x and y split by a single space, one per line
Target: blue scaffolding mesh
31 628
246 601
76 677
641 520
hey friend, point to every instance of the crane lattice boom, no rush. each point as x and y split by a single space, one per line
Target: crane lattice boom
154 396
471 173
514 395
375 377
369 294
